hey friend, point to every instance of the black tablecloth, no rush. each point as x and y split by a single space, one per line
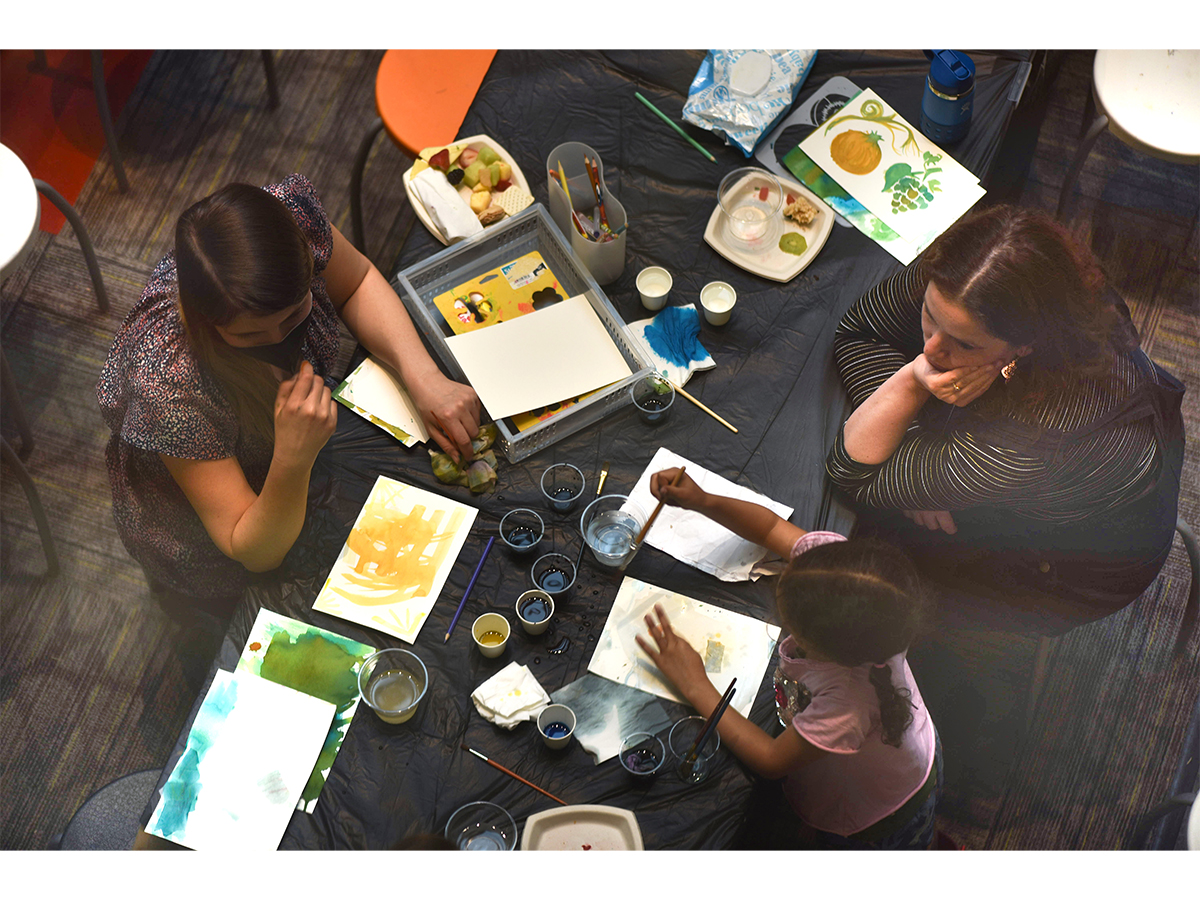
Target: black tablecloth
774 380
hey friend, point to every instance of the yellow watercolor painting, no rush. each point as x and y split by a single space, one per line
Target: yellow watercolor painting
396 559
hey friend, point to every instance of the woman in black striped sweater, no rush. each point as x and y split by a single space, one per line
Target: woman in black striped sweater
1007 429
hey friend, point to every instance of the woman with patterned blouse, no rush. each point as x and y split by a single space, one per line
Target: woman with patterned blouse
217 386
1007 429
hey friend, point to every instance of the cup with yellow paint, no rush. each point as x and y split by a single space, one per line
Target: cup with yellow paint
491 631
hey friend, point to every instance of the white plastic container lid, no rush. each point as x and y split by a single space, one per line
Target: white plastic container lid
751 73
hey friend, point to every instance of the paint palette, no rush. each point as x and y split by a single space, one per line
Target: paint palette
584 827
765 258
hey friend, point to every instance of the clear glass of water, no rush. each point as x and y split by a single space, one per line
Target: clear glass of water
482 826
610 525
751 199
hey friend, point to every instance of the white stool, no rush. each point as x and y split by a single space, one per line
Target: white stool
1149 99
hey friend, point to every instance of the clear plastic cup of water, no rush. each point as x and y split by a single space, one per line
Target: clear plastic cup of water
610 525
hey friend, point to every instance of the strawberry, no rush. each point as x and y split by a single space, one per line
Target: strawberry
762 193
440 160
790 199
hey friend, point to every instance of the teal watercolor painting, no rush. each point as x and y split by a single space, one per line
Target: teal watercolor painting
317 662
247 759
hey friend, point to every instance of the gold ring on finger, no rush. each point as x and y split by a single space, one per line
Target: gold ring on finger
957 386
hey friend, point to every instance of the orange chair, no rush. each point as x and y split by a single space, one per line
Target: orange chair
422 97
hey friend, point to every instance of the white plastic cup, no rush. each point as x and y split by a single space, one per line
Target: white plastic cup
485 624
654 284
556 715
718 300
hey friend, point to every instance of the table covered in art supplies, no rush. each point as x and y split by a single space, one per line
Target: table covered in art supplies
772 379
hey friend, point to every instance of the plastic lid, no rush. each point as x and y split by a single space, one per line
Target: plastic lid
950 71
751 73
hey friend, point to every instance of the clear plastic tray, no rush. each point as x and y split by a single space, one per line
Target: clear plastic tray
529 230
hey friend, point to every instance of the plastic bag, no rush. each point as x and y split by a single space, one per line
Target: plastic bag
739 94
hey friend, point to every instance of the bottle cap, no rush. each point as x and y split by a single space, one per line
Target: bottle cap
950 71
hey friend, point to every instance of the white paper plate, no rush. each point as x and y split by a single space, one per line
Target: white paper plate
518 178
582 828
771 262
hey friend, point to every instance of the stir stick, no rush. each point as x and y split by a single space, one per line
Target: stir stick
686 396
658 509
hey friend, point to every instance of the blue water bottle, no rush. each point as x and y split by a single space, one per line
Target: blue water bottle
949 93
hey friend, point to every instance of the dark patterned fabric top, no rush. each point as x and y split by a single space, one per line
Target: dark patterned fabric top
156 398
1102 458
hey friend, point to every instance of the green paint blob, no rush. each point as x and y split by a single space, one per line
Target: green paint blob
793 243
312 664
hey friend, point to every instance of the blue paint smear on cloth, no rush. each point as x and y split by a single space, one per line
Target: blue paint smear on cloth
672 340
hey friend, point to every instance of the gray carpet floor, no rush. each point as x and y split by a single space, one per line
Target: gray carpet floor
97 678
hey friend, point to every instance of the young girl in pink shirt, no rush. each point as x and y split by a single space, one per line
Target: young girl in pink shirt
859 753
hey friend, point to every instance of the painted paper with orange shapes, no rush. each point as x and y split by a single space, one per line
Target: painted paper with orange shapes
500 295
396 559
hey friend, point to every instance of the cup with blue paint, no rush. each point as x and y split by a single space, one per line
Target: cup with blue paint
521 530
535 609
553 573
642 755
556 724
562 486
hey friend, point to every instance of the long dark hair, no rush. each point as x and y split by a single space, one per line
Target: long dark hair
858 601
239 251
1030 282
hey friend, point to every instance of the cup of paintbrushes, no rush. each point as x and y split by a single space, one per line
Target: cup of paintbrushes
591 218
693 763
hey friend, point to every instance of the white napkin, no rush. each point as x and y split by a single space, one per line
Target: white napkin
696 539
510 697
675 331
449 212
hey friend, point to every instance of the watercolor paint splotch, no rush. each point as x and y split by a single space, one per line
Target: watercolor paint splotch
247 758
396 559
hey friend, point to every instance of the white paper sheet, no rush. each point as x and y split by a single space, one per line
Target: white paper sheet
372 392
540 358
733 645
696 539
248 757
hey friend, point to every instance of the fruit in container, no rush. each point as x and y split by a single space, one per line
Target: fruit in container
454 176
504 185
480 200
494 175
505 171
487 155
467 156
485 176
440 160
471 173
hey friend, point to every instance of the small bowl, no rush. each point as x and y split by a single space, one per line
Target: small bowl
550 723
487 624
718 299
652 398
521 530
562 486
642 755
553 573
536 602
392 682
481 826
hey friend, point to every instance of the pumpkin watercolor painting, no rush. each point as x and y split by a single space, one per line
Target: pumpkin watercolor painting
893 170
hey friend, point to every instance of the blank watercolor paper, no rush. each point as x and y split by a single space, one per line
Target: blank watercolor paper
318 662
397 557
540 358
731 644
379 397
248 757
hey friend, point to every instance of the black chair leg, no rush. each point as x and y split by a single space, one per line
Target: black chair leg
35 504
85 241
12 402
268 59
110 134
356 176
1085 147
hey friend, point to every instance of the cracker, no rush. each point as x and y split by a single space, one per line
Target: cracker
513 200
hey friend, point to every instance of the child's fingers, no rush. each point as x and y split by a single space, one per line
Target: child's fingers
663 621
652 653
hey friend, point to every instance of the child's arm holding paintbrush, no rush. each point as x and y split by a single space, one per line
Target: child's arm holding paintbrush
747 520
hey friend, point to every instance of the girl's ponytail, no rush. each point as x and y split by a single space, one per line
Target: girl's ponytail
895 705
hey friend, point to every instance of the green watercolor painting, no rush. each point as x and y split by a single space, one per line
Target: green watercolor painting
319 663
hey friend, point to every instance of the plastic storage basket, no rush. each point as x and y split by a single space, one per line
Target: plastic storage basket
530 230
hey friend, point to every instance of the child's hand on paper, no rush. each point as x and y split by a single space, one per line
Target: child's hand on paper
687 494
676 658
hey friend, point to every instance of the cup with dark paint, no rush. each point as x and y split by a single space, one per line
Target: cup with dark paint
652 398
553 573
534 609
642 755
556 724
521 530
562 486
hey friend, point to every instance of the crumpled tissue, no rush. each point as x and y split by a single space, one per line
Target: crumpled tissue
671 340
510 697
